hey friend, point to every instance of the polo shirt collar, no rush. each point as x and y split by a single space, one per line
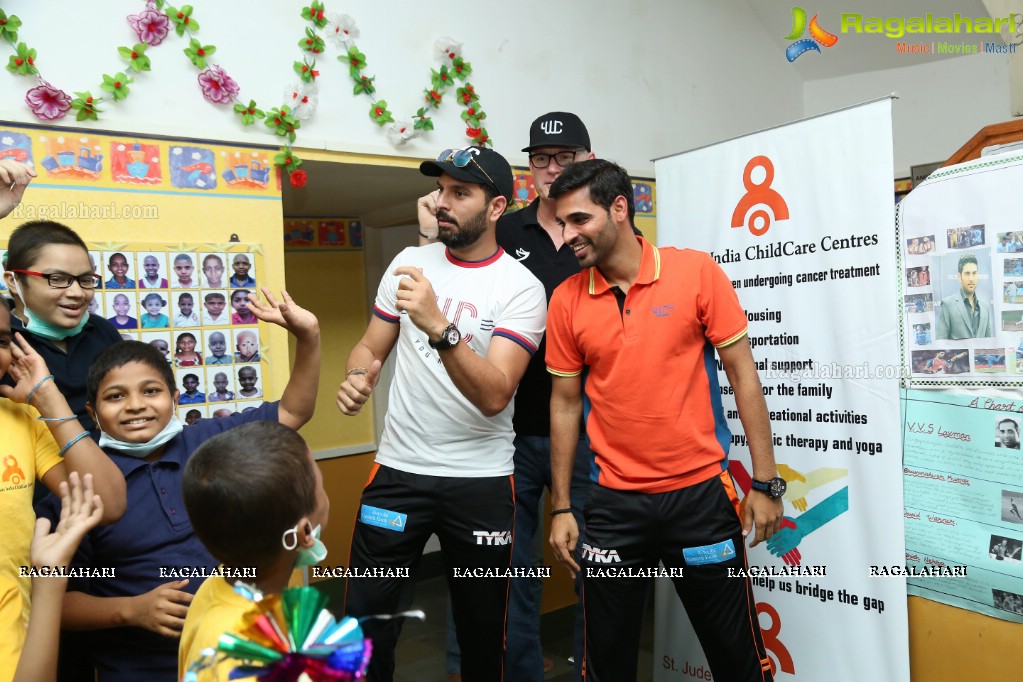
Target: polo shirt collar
529 213
173 456
649 270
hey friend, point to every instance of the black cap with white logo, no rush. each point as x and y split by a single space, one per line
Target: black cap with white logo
473 164
558 129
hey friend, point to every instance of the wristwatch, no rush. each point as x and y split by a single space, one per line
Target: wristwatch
773 488
449 338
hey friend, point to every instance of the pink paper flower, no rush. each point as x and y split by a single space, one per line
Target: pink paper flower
150 25
217 86
47 102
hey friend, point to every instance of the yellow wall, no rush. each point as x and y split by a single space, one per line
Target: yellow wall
332 285
947 644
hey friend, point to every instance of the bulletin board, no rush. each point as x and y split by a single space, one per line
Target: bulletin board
134 199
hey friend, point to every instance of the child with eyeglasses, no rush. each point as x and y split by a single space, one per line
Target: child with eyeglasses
51 278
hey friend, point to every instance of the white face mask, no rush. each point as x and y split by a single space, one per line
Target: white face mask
140 450
307 556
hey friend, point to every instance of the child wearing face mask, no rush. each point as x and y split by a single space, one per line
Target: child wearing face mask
135 618
226 485
55 320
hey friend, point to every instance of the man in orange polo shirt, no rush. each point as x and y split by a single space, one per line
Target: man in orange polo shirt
644 324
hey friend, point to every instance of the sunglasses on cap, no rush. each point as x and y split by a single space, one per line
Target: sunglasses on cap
460 158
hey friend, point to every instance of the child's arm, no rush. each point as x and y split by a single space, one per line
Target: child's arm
299 398
161 610
80 511
35 385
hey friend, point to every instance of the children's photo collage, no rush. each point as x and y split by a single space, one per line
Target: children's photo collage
963 302
191 306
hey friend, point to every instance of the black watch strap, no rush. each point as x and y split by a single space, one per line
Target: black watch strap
773 488
449 338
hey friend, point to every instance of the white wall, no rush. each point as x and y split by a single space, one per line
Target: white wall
650 77
941 104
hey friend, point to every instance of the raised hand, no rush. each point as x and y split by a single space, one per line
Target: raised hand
80 510
27 369
426 209
14 179
284 313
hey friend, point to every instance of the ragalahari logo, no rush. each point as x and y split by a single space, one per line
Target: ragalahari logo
760 196
818 36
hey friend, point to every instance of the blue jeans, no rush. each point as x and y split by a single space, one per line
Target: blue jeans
523 661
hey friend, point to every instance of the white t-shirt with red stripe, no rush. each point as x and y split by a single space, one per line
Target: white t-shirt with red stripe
430 427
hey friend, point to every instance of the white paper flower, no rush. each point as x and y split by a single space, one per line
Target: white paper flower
340 28
302 99
445 49
401 131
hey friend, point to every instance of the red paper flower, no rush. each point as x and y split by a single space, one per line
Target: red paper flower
47 102
298 178
217 86
150 25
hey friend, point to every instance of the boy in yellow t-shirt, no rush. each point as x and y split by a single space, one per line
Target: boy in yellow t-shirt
42 440
233 495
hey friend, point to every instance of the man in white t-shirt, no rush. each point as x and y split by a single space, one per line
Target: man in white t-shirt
466 318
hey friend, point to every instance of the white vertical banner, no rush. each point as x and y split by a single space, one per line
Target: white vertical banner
801 217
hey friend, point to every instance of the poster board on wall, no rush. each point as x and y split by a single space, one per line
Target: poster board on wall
963 414
162 197
809 248
187 302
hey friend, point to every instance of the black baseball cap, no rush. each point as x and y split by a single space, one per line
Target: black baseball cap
473 164
558 129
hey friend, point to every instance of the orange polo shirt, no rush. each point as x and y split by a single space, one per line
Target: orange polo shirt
653 405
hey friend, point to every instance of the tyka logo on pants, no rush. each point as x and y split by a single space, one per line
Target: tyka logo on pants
600 556
500 537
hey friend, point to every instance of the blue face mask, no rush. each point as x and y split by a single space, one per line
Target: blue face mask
307 556
40 327
140 450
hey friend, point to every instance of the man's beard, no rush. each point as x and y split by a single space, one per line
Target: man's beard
468 232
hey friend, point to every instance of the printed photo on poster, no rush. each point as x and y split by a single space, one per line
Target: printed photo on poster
152 268
161 341
183 310
250 383
187 350
191 386
123 309
963 285
216 347
222 382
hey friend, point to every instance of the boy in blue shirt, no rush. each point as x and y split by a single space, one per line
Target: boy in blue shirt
137 616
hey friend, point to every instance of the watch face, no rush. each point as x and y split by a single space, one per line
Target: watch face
453 336
777 487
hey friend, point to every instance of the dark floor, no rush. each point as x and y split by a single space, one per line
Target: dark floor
421 650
